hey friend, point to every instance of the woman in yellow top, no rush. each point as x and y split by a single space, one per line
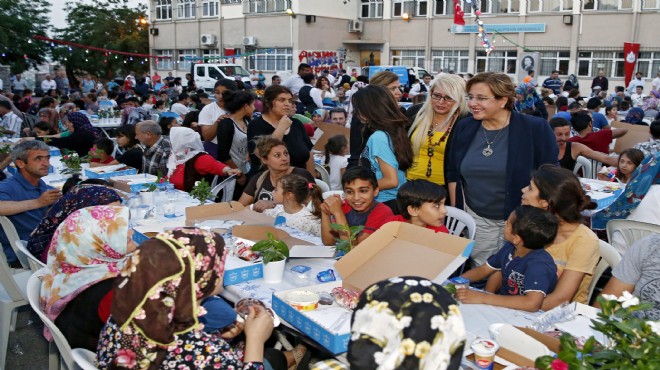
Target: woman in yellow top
431 130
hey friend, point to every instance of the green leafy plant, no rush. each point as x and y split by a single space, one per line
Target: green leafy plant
5 149
271 249
633 343
201 191
160 182
73 163
345 245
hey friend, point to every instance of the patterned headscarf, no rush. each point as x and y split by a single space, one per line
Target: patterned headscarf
652 102
78 197
90 246
161 298
530 97
406 323
635 116
81 123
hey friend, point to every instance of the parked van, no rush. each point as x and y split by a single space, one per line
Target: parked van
403 72
206 74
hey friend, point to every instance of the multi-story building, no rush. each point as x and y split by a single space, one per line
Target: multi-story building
573 36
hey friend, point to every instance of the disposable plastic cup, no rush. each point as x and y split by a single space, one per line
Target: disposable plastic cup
484 353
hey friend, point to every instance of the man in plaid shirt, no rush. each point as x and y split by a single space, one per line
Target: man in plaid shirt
157 149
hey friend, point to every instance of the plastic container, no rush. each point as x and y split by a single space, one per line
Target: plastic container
303 300
484 353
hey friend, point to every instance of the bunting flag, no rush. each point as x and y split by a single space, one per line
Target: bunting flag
458 14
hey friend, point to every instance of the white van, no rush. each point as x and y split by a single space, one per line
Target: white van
206 74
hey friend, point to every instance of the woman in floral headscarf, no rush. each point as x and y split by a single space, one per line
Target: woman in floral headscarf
652 101
528 100
89 249
82 137
78 197
156 309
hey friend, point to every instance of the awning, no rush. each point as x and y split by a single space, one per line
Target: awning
363 42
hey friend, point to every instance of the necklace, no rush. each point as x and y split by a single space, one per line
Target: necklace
488 151
431 146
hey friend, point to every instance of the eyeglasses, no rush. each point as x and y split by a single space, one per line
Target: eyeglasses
479 98
440 97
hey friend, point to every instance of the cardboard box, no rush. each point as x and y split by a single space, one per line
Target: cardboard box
260 232
226 211
636 134
106 172
402 249
133 183
330 130
238 271
513 354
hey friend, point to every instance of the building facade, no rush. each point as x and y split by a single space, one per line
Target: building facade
580 37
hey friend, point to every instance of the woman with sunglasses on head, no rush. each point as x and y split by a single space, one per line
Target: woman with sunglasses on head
492 156
430 133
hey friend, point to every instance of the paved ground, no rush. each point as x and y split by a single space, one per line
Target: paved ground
27 347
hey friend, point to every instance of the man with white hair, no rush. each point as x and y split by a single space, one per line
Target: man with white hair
157 149
48 84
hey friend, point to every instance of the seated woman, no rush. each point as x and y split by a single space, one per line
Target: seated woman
92 247
127 141
528 100
43 128
82 136
78 197
275 157
154 317
189 162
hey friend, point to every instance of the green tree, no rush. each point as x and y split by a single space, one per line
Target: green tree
20 20
107 24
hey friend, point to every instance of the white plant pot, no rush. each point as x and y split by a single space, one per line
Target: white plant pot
274 272
147 197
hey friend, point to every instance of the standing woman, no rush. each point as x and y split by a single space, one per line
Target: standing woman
380 114
275 121
492 157
430 133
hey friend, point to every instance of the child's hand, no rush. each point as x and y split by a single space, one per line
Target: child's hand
465 295
263 205
333 204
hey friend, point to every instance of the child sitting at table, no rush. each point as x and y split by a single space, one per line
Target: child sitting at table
528 271
290 195
102 152
359 208
422 203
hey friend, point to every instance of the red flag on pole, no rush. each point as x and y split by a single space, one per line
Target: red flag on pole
630 53
458 14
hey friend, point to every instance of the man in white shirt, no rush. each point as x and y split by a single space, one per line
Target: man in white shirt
295 82
637 81
310 96
19 85
656 82
10 124
638 97
181 106
48 84
421 88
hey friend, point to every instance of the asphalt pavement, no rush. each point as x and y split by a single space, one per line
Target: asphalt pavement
27 349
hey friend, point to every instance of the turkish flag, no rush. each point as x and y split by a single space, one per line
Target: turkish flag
630 53
458 14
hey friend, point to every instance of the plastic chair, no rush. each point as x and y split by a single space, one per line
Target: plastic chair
323 185
228 186
13 294
59 350
628 232
34 262
12 237
458 220
609 257
325 176
84 358
584 164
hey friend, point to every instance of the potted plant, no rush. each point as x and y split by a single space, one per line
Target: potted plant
73 163
345 245
201 191
274 253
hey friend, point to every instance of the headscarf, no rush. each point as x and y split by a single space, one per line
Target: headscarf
81 123
530 97
635 116
574 81
78 197
406 323
646 174
90 246
652 102
321 112
186 144
161 298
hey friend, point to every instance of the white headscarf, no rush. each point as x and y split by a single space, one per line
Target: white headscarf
186 144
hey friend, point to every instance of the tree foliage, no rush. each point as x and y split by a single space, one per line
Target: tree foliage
106 24
20 20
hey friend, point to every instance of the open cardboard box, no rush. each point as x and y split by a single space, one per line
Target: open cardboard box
330 130
402 249
226 211
260 232
515 354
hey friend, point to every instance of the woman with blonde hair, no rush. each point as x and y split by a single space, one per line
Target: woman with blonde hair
430 133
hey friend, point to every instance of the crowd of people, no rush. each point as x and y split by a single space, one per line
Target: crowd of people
485 145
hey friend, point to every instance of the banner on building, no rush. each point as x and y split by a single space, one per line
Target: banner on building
320 60
630 54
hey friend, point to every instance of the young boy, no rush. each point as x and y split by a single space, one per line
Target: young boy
359 208
102 150
528 271
422 203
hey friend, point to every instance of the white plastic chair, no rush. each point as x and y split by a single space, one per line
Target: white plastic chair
325 176
623 233
34 262
584 164
12 237
59 350
84 358
13 294
458 220
609 257
323 185
227 186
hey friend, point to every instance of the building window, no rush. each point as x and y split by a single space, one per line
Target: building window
185 9
648 63
229 2
186 58
651 4
607 4
417 8
271 60
610 62
266 6
554 61
448 60
505 6
410 58
535 6
163 9
371 9
443 7
212 55
164 63
209 8
422 8
497 61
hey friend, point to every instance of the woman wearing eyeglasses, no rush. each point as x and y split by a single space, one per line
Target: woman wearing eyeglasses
430 133
492 156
